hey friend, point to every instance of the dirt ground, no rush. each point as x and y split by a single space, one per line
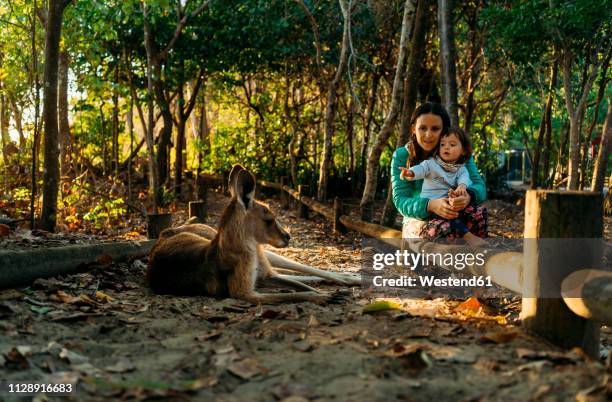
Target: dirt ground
107 333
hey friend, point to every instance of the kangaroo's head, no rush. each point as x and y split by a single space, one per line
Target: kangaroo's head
251 219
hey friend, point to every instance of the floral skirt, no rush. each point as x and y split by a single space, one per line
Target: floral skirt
474 219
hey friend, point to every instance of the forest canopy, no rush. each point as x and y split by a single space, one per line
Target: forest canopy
154 93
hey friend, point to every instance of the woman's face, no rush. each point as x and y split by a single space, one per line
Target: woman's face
428 128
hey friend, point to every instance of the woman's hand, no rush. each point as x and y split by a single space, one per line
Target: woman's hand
460 202
442 208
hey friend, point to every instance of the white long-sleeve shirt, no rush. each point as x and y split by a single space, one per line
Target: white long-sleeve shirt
436 180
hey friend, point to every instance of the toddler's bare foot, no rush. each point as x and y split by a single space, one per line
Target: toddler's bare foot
474 241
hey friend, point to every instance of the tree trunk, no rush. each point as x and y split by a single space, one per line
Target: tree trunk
448 75
535 168
575 113
4 124
51 159
548 133
154 187
371 181
34 79
599 172
17 114
184 110
413 76
330 110
62 107
475 66
115 122
104 141
557 174
367 125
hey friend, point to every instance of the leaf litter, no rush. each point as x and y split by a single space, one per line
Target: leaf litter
105 331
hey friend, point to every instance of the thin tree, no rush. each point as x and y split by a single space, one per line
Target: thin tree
183 111
62 107
413 77
371 181
51 157
448 75
155 60
575 113
331 107
542 130
599 173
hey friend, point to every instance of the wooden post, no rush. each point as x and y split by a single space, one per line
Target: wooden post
156 223
303 190
198 209
551 216
338 226
202 190
284 196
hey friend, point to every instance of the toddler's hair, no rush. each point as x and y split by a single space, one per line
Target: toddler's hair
463 138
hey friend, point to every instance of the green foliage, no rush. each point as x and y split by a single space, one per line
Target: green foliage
106 213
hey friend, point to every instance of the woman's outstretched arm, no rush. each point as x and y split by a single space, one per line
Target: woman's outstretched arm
406 193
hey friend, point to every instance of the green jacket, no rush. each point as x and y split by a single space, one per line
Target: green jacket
406 193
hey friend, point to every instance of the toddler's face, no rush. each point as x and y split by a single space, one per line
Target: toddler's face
450 148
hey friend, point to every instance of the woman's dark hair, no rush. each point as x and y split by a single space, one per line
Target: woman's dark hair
464 139
415 152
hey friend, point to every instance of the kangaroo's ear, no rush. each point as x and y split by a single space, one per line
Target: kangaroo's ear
232 179
244 188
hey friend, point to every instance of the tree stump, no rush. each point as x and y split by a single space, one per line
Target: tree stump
563 234
198 209
156 223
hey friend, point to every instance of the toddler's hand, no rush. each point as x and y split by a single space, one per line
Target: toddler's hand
460 191
406 174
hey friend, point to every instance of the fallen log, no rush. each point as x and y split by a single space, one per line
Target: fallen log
22 267
390 236
588 293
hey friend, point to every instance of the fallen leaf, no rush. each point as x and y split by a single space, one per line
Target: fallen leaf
570 357
10 294
122 366
40 309
270 314
19 356
5 230
381 305
6 310
500 336
104 297
413 356
245 369
312 321
303 346
473 305
105 259
73 357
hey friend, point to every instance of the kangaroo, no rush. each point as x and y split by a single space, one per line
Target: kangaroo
187 263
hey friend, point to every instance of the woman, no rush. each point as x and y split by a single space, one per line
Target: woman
425 218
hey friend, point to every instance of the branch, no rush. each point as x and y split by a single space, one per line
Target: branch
315 32
194 94
179 28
